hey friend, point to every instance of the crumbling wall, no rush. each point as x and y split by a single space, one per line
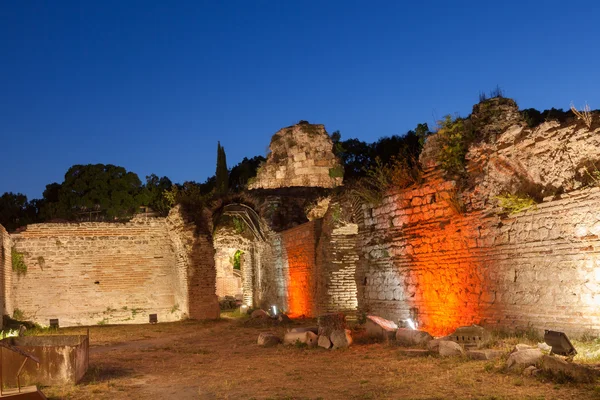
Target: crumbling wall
97 273
300 155
337 258
447 256
5 273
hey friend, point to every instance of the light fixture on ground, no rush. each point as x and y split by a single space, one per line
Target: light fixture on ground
274 308
560 343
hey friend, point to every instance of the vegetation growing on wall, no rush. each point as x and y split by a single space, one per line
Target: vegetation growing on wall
18 262
514 203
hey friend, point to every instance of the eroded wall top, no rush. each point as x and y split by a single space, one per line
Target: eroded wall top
300 155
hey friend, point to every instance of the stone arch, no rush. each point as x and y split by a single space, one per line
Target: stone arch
238 230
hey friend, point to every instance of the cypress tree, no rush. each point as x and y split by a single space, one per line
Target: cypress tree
222 175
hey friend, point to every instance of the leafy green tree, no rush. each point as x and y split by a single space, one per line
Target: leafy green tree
222 174
153 193
107 190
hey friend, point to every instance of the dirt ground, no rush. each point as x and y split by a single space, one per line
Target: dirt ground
221 360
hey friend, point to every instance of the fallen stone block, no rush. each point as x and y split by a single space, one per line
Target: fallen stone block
380 328
324 342
341 338
524 358
308 338
484 354
521 346
331 322
262 314
473 336
531 371
411 337
268 339
450 349
300 329
578 372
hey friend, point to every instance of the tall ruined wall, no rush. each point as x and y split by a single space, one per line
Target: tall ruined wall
5 273
93 273
448 256
299 250
96 273
195 265
337 258
300 155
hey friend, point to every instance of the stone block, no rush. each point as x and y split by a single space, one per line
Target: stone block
411 337
380 328
268 339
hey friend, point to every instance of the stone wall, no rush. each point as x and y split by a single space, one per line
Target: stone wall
299 251
5 273
337 258
300 155
539 268
97 273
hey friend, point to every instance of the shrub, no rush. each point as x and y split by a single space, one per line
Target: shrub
455 136
336 172
18 262
585 115
514 203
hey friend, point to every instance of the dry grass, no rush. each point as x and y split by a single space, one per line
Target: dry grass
220 360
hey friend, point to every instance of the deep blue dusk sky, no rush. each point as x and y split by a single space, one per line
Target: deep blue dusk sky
151 86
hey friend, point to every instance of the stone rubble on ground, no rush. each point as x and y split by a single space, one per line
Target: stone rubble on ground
262 314
268 339
341 338
308 338
324 342
524 358
411 337
450 349
380 328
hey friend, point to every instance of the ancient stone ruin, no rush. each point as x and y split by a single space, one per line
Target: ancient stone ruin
441 252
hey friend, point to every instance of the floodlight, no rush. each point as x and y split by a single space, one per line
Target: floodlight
560 343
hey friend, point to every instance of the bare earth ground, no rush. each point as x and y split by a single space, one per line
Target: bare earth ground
221 360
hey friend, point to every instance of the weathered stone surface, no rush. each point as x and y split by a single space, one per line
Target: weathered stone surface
261 314
470 336
308 338
268 339
324 342
329 323
411 337
578 372
300 155
522 346
450 349
341 338
531 371
312 329
283 318
380 328
523 358
484 354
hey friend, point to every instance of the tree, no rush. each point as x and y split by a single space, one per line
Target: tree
222 175
107 190
242 172
153 193
13 210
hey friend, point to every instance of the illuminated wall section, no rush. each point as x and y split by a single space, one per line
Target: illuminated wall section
299 250
422 258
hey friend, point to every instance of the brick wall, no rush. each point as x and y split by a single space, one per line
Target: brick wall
337 257
539 268
299 245
96 273
5 273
